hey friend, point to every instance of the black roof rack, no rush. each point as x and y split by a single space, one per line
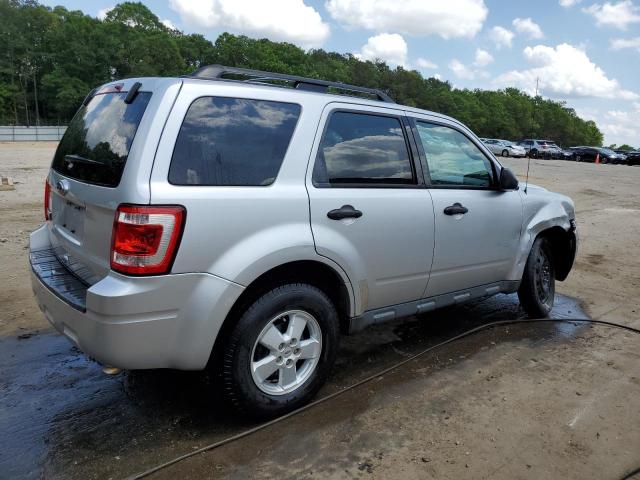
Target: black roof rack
218 72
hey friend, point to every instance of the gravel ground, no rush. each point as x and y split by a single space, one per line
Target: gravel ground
512 403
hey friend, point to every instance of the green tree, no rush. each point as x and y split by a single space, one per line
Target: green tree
51 58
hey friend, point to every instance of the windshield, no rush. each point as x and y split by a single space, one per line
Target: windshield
607 151
95 147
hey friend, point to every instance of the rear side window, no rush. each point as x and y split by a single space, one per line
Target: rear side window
95 147
232 142
362 149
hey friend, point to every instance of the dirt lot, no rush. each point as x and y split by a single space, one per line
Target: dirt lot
518 402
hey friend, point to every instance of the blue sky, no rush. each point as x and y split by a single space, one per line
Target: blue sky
585 52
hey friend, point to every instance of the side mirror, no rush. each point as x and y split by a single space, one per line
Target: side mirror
508 180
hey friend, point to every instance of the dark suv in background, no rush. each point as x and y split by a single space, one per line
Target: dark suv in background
632 157
589 154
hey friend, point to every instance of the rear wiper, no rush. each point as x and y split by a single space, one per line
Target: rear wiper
79 159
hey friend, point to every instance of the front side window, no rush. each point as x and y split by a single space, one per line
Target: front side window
362 149
232 142
452 158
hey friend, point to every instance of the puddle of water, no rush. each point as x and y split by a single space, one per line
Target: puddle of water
61 417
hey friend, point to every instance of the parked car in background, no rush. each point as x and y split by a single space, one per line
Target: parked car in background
536 148
612 157
504 148
589 154
553 150
631 157
567 154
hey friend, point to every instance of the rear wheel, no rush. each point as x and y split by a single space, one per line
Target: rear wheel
537 289
505 153
280 352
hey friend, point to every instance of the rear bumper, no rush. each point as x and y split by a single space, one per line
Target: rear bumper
168 321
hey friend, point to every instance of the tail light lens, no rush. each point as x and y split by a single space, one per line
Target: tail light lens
145 238
47 200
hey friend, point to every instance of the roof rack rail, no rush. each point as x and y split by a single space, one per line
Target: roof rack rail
218 72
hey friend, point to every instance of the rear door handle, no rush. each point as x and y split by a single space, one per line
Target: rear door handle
455 209
346 211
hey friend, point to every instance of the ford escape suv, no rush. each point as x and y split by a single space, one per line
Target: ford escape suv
241 220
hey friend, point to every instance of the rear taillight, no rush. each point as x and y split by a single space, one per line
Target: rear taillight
47 200
145 238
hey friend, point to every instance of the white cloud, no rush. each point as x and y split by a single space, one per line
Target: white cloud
620 43
618 15
501 37
566 71
167 23
460 70
482 58
450 19
569 3
621 126
425 64
528 27
389 47
284 20
102 13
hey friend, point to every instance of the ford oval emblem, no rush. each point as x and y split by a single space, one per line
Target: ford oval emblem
62 186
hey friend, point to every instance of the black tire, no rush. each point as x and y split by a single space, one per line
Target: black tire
505 153
537 289
533 153
240 389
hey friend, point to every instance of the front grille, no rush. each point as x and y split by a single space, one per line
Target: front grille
57 278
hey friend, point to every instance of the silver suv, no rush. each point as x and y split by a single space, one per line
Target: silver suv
240 225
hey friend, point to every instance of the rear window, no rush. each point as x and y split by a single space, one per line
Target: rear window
232 142
95 147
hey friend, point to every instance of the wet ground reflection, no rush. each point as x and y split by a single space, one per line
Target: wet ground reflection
61 417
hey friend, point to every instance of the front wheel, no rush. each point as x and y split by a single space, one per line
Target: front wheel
537 289
281 350
505 153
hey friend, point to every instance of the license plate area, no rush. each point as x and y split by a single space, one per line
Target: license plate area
69 217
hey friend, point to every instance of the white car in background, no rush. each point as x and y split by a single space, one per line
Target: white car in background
504 148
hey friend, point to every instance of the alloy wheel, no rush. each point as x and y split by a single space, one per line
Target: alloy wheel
286 352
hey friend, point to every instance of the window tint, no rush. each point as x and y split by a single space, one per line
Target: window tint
95 147
362 149
232 141
452 158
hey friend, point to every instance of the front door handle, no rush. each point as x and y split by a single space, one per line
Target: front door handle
455 209
346 211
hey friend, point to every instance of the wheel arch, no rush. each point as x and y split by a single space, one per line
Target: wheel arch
313 272
563 245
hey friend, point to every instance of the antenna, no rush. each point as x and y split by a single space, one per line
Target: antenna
533 117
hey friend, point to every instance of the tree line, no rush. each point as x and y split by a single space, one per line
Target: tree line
50 58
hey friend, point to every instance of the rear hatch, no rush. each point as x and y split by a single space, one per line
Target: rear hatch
103 160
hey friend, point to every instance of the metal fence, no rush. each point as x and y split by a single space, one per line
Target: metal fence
30 134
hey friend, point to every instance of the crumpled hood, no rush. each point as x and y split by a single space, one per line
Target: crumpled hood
539 199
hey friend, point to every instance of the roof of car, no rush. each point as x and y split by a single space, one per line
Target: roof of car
302 86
